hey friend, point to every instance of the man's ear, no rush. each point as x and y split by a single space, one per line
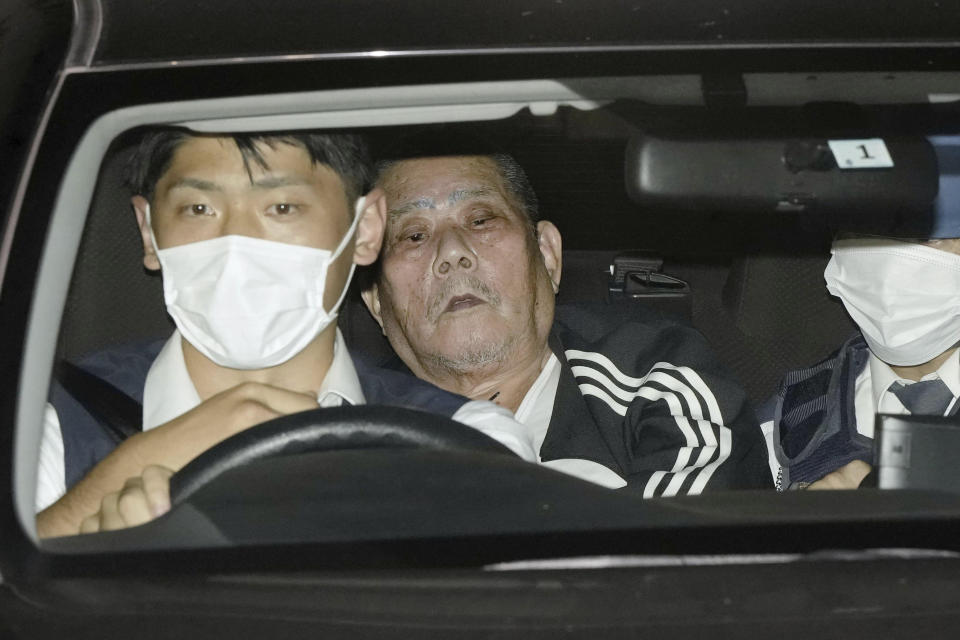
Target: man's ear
371 297
370 228
551 248
150 260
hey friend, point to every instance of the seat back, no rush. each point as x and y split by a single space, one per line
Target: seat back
112 299
775 315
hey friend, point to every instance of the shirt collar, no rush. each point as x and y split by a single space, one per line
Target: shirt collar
341 383
536 408
169 392
882 376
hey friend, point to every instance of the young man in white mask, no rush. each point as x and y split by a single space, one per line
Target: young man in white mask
904 296
256 238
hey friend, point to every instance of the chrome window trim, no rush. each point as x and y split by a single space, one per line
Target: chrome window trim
87 28
520 50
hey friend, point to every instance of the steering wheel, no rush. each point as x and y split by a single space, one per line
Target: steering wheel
330 429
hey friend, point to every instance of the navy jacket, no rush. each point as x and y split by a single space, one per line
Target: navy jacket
814 417
86 441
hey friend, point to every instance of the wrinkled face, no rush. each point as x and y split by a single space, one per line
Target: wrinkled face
463 283
209 192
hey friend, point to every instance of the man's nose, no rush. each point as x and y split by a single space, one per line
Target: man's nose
454 253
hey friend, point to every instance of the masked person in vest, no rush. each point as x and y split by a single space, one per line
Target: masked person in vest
465 295
904 296
256 238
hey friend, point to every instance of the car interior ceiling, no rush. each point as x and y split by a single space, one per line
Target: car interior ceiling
755 282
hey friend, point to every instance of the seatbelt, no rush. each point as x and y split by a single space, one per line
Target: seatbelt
120 415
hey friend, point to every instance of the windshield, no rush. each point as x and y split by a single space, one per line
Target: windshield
614 312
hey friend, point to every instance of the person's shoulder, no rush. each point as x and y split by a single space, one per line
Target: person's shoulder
123 365
395 386
813 413
630 332
853 351
811 384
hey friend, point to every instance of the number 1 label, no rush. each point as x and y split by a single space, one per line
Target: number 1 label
871 153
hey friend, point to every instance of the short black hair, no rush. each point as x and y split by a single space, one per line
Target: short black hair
345 153
441 142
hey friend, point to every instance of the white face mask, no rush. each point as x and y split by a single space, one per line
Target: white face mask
247 303
905 297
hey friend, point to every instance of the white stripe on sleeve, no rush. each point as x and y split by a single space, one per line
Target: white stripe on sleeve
726 441
681 381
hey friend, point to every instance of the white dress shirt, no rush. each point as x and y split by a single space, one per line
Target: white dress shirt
873 395
169 392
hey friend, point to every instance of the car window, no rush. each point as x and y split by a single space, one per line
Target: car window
574 158
712 266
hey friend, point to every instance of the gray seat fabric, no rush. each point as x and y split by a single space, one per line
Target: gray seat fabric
112 298
774 315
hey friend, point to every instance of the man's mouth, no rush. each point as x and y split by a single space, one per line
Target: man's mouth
461 303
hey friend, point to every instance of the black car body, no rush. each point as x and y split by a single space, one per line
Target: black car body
571 80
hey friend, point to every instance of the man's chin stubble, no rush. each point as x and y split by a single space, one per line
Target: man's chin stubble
471 360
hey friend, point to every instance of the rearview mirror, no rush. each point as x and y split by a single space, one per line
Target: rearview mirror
883 182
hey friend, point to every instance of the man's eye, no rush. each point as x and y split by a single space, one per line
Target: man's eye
199 209
282 209
480 221
416 236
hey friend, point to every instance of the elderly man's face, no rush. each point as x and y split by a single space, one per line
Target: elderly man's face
466 284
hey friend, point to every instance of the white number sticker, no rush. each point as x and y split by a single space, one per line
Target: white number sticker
871 153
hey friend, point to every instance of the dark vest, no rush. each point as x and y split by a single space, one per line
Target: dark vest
814 416
86 441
